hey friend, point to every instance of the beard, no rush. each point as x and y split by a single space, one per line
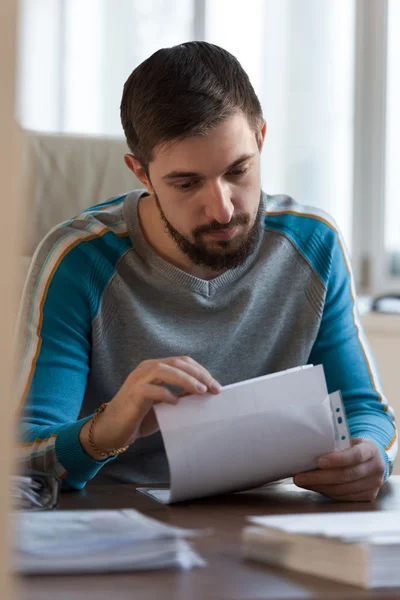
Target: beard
224 254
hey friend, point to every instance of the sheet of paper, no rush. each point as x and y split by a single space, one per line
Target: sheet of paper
159 494
163 495
251 433
349 526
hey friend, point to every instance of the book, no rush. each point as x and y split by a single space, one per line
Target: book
252 433
88 541
357 548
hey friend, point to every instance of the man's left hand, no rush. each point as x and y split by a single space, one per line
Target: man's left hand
352 475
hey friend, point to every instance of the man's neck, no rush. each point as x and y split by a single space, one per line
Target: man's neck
160 241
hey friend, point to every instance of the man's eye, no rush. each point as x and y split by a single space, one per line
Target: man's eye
185 186
238 172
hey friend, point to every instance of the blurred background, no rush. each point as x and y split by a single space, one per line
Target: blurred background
326 72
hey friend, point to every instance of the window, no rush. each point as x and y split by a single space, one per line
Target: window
76 55
376 231
392 187
304 80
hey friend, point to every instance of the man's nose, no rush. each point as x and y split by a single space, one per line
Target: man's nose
218 204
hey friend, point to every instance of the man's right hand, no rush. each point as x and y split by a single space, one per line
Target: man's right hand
130 414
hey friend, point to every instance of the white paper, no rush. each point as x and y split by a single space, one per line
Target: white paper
251 433
348 526
96 540
160 494
167 553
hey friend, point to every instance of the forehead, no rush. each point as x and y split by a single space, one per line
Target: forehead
207 153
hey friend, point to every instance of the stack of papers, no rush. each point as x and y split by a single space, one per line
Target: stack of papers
98 540
252 433
359 548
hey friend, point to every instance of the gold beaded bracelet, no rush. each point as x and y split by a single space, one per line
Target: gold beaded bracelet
103 453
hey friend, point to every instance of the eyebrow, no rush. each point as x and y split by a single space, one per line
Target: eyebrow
183 174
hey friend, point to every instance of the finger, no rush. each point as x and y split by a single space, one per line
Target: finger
157 394
162 372
190 366
150 395
149 424
334 476
340 490
366 496
359 453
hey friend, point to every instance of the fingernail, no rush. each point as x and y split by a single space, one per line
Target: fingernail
323 462
201 387
215 387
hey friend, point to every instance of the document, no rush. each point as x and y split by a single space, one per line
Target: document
252 433
347 526
358 548
86 541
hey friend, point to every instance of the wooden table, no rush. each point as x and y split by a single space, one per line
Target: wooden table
227 575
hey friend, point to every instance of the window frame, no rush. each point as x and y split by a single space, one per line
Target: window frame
369 258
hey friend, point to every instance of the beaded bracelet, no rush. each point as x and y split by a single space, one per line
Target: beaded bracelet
103 453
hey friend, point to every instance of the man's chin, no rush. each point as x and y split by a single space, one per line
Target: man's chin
218 258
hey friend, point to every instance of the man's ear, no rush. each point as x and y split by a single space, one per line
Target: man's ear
138 170
261 136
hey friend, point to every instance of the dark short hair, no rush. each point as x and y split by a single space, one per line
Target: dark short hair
182 91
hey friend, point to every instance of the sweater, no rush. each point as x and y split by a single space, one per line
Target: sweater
98 301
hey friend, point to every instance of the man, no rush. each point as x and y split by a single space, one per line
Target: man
197 281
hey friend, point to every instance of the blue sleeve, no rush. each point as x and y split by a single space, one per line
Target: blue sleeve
55 327
342 349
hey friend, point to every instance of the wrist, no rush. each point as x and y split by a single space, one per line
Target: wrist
381 451
84 441
98 448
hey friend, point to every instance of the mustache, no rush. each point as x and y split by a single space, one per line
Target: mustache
214 226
